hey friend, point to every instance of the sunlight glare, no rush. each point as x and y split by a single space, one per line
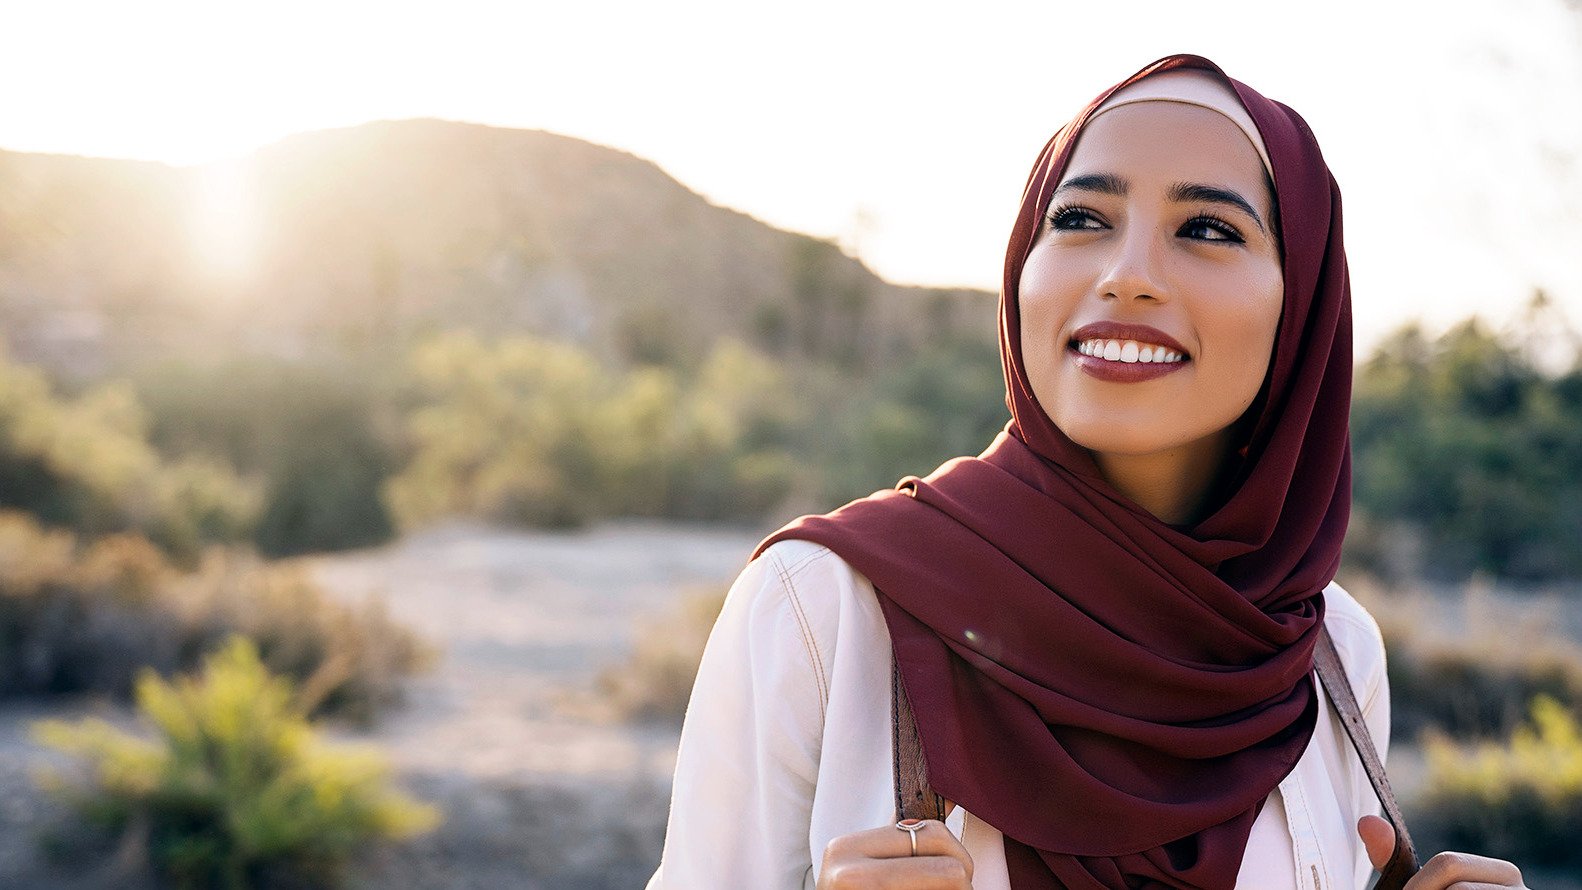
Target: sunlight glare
223 220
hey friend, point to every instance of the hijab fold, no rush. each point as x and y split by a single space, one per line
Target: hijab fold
1116 695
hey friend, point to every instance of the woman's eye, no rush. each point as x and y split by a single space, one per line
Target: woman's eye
1208 228
1072 218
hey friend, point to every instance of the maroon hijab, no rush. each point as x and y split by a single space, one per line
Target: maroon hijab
1117 695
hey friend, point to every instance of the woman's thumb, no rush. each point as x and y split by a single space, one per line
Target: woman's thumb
1378 838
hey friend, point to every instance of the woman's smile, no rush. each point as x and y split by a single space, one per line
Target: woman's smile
1126 353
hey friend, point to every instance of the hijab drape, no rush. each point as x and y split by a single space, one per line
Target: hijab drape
1116 695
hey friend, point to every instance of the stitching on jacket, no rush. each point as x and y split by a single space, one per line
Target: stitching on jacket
1312 834
807 635
1303 837
807 559
1289 804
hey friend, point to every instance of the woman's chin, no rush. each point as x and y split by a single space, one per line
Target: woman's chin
1134 441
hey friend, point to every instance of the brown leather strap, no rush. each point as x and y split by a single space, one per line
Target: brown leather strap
915 800
1403 861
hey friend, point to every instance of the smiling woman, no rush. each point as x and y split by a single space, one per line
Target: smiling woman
1151 296
1107 624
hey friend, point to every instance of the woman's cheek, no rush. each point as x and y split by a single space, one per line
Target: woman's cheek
1042 316
1252 337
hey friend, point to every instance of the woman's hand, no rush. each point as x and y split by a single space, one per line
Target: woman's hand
881 858
1462 871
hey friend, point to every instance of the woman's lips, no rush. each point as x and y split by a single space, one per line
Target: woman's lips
1122 372
1123 331
1125 340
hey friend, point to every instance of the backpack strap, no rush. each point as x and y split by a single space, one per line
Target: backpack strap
1403 861
914 799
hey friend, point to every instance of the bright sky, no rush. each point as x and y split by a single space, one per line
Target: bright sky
904 130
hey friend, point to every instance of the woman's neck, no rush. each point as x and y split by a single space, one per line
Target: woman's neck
1173 485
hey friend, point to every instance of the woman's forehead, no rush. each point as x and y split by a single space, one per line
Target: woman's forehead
1167 141
1192 86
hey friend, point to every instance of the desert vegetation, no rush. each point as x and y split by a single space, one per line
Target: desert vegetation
233 788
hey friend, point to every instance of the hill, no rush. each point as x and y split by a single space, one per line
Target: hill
358 239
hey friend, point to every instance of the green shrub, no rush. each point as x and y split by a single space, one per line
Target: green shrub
1520 800
316 434
655 682
539 433
81 616
941 403
235 788
86 463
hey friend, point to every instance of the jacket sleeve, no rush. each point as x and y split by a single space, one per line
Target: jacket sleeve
748 760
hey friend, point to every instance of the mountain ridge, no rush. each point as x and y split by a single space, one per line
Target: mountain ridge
367 236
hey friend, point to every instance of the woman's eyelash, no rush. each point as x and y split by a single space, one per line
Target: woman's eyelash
1064 216
1209 220
1073 217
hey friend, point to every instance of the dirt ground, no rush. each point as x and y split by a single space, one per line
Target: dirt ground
541 786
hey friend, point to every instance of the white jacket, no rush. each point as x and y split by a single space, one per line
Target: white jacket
787 744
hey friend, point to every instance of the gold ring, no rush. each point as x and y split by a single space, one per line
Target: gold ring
911 827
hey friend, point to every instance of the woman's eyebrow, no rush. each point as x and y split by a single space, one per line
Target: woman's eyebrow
1190 191
1104 183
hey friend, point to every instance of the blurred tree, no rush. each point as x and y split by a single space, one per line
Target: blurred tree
87 463
1469 441
536 432
315 435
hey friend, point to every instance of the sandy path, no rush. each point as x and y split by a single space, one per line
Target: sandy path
542 787
526 621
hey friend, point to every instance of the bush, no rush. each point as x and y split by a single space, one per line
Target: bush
1521 800
942 403
235 789
87 464
80 616
539 433
655 683
1473 683
316 434
1469 692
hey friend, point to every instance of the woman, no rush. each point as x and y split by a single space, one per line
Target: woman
1105 624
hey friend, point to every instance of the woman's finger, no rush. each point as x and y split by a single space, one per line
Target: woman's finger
907 873
1465 870
1378 838
878 853
889 842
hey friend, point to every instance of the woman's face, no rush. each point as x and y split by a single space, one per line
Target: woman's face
1157 245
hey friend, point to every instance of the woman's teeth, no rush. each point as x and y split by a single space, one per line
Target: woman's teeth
1129 351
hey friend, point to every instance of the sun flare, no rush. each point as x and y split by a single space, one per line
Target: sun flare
222 220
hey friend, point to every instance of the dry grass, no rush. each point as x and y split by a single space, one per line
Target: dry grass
655 683
1469 664
80 616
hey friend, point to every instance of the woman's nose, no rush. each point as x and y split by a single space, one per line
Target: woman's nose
1132 271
